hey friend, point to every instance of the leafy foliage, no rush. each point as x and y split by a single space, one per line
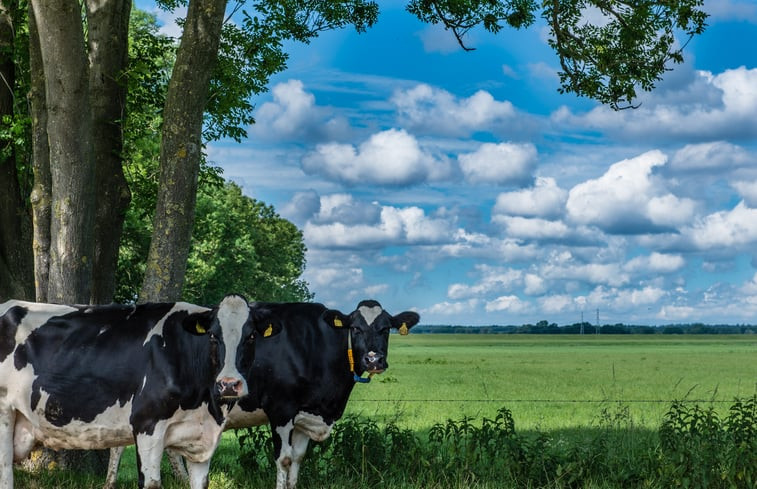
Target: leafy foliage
238 244
628 47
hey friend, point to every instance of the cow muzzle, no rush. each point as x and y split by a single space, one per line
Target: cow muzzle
374 363
231 388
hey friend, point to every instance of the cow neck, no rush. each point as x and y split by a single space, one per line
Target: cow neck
351 358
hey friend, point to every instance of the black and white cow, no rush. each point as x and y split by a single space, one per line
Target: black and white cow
91 377
304 376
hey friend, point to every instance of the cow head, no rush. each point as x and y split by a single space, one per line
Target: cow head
232 329
369 328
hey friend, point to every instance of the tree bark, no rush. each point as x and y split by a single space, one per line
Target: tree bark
61 37
16 272
108 36
181 150
41 196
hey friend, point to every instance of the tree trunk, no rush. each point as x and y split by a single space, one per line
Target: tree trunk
15 222
108 36
41 196
181 149
69 134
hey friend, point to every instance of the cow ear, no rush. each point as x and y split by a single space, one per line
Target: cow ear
198 323
264 322
267 327
404 321
336 319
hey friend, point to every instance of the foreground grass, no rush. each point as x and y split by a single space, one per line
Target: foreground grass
587 412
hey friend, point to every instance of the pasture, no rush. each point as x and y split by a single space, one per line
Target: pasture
563 386
555 381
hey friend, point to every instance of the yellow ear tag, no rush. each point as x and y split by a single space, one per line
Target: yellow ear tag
403 329
338 322
200 329
268 332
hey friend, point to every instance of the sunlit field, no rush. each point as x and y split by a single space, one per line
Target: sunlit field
564 387
555 381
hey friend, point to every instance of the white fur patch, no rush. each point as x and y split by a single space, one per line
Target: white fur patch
37 315
312 425
370 313
243 419
179 306
233 312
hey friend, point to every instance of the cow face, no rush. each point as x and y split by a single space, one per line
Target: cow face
232 330
369 326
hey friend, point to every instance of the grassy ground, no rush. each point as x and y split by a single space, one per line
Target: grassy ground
554 382
572 391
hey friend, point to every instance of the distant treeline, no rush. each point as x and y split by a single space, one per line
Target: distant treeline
544 327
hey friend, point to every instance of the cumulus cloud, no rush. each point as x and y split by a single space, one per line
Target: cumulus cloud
709 156
293 114
748 191
738 10
509 303
394 226
706 107
628 199
655 263
428 109
532 228
734 229
499 164
494 280
545 199
392 157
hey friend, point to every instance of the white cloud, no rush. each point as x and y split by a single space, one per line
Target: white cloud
293 114
452 308
655 263
499 164
545 199
494 280
748 191
525 228
709 156
703 106
509 303
733 229
627 199
559 303
429 109
534 284
437 39
395 226
391 157
738 10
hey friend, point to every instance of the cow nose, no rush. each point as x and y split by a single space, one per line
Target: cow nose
230 387
374 362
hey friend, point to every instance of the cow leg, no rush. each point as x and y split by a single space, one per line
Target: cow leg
113 462
198 474
7 423
282 450
149 455
300 442
177 465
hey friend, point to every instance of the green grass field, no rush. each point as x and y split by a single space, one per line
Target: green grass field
560 385
554 382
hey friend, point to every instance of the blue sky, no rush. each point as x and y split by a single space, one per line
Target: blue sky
463 186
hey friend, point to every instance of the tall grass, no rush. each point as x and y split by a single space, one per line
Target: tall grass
470 411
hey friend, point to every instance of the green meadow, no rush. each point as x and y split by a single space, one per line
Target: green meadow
588 411
555 381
